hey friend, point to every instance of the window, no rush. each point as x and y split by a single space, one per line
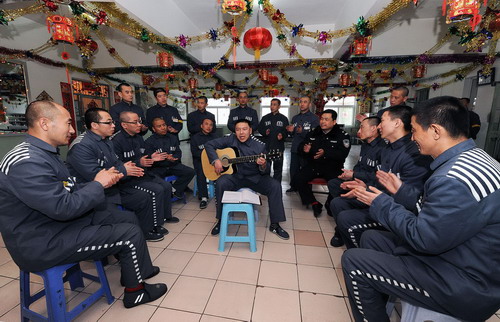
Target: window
220 108
345 108
265 106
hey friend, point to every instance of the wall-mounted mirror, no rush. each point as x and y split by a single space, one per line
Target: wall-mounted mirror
13 97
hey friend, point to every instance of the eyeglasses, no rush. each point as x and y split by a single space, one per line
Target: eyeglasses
108 122
135 122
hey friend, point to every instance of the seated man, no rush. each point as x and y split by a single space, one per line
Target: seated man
445 258
368 162
249 175
163 142
325 149
198 141
48 219
92 151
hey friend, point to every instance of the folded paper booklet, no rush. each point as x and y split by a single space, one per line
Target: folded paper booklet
244 196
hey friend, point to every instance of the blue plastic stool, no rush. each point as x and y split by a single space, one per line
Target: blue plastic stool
211 188
54 292
174 199
227 209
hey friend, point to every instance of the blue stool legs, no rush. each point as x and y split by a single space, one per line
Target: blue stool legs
211 188
227 209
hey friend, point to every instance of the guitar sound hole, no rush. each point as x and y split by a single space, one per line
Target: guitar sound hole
225 162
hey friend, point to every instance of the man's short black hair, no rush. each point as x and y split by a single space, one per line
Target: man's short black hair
446 111
159 90
242 92
203 98
403 89
332 112
276 100
120 86
156 119
92 116
242 121
402 112
373 120
466 99
39 109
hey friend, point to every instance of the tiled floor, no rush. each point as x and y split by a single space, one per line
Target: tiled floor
295 280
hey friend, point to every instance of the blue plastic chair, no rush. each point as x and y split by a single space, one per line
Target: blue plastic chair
54 292
211 188
227 209
174 199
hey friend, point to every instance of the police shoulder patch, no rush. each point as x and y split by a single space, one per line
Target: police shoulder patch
346 142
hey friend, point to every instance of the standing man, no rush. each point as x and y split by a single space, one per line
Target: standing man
399 95
243 112
48 219
168 113
302 124
325 149
443 258
197 117
272 127
126 93
198 142
474 120
254 175
163 142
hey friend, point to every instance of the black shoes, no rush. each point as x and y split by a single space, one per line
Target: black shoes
291 189
148 293
216 229
278 231
203 204
317 208
336 240
172 220
153 236
160 230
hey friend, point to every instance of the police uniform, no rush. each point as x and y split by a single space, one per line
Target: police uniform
445 258
276 124
123 106
197 145
168 113
131 148
88 154
248 175
336 145
402 158
307 121
243 113
195 119
168 143
47 218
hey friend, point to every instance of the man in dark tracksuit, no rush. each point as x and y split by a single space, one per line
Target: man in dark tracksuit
325 149
126 93
401 157
272 127
198 141
168 113
243 112
194 119
47 219
163 142
301 125
443 259
253 175
130 147
92 151
368 162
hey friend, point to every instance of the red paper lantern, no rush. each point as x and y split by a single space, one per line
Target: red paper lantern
345 79
234 7
274 92
323 85
273 79
219 87
193 83
361 46
264 74
418 71
257 38
164 59
61 29
461 10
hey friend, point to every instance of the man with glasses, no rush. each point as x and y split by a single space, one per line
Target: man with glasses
126 93
92 151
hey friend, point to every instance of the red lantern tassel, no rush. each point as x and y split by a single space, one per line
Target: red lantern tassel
444 7
67 76
234 33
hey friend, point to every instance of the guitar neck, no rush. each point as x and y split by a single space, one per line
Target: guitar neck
248 158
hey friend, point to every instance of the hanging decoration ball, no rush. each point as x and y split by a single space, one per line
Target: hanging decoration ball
272 80
264 75
461 10
193 83
165 59
147 80
385 74
361 46
344 79
169 76
274 92
101 17
65 55
494 24
257 38
62 28
418 71
144 36
234 7
323 85
219 87
87 46
50 5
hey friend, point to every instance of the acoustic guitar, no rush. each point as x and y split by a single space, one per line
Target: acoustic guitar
229 158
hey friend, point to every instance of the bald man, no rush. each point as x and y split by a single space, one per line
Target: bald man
48 219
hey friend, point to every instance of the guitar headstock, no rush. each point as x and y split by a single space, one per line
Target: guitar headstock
274 154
